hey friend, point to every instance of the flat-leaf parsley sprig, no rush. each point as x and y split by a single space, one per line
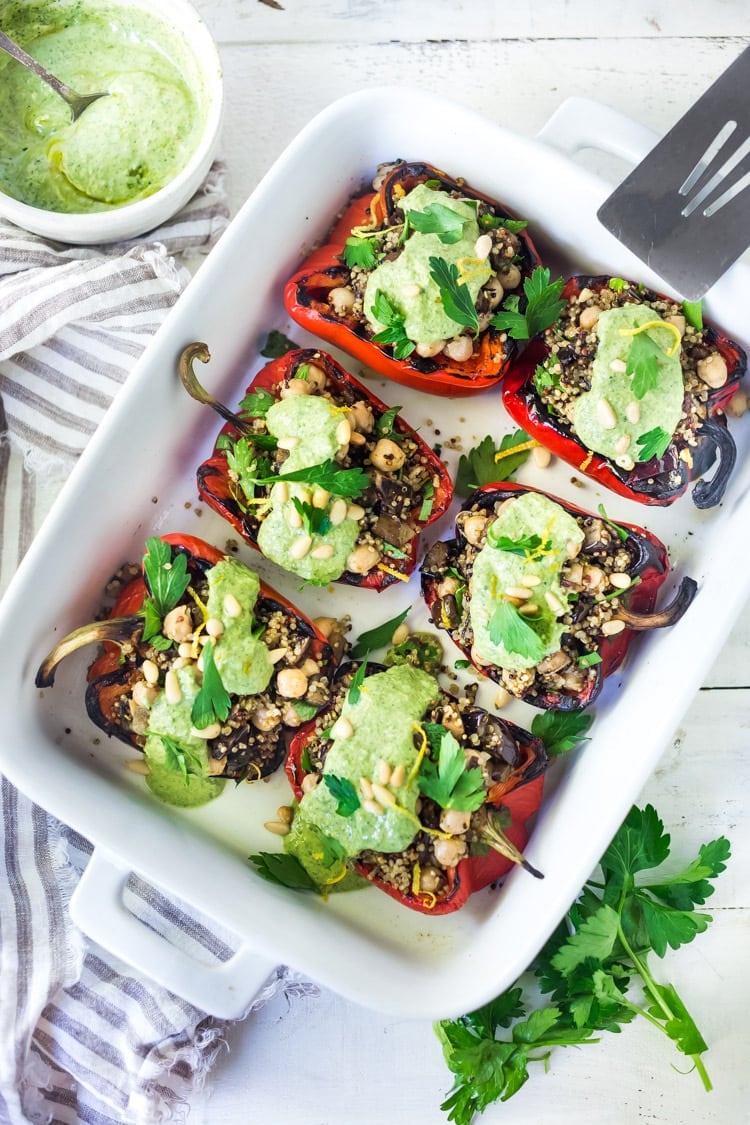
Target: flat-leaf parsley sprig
543 307
594 970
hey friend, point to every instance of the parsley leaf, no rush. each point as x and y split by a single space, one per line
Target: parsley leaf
620 532
378 637
394 332
356 682
257 403
213 702
654 443
342 790
522 546
510 629
341 482
179 758
560 731
693 313
455 296
586 969
360 252
480 465
493 222
543 307
277 345
316 520
167 578
246 465
286 870
304 710
428 499
384 424
438 219
449 782
643 364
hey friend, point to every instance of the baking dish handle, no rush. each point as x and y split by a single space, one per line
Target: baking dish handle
584 123
225 989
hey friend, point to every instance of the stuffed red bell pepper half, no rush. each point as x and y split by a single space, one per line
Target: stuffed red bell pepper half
319 475
544 597
403 786
630 387
204 668
412 276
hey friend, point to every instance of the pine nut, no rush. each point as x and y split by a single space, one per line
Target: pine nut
502 698
619 366
382 795
373 807
554 603
482 247
185 650
400 634
605 414
541 456
232 607
275 654
517 592
342 728
214 627
633 412
398 777
357 438
343 432
585 295
137 765
410 290
337 513
172 689
285 813
150 672
288 443
324 625
181 662
613 627
300 547
324 551
382 772
625 461
622 443
365 786
355 512
530 580
619 580
293 518
529 609
213 730
277 827
320 497
282 492
589 317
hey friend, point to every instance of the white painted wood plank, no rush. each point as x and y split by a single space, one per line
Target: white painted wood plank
315 1060
358 21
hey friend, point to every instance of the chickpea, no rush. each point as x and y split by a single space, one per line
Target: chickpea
144 694
449 852
713 370
454 821
473 528
387 456
265 718
361 418
427 351
290 717
589 317
460 349
493 291
315 377
447 587
363 559
296 387
178 624
291 683
737 404
510 275
342 300
429 880
309 782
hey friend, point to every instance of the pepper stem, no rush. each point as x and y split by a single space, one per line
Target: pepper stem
667 616
117 629
493 835
195 389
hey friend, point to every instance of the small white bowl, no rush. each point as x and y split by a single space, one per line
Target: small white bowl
132 219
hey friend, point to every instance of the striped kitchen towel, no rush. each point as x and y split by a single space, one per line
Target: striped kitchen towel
82 1037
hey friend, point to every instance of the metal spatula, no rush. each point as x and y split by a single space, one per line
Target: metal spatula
685 210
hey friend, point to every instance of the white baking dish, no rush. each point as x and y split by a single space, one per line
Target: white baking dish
137 478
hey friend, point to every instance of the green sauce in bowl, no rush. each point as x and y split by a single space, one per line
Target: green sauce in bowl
123 147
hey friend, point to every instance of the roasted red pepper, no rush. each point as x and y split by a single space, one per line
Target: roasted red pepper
246 747
516 758
307 294
600 622
398 503
690 454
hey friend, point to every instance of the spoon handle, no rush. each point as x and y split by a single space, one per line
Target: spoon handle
18 53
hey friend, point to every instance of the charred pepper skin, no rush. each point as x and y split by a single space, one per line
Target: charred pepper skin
651 567
109 681
520 794
651 483
306 294
215 487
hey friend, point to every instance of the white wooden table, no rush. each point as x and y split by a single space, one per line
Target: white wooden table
318 1060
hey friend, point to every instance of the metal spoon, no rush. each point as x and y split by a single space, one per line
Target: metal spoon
77 102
